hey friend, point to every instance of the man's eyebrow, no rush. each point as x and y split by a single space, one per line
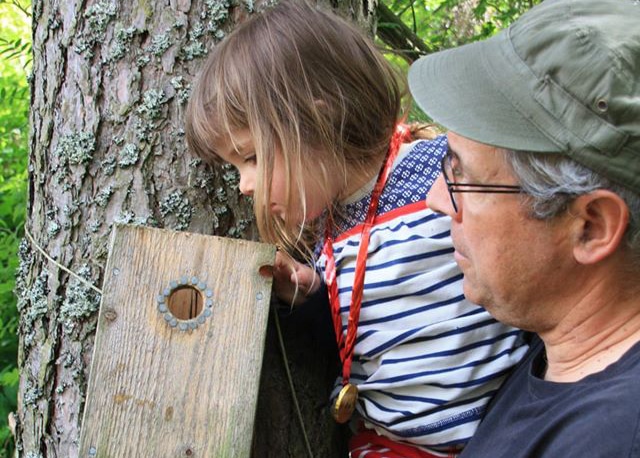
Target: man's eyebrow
461 165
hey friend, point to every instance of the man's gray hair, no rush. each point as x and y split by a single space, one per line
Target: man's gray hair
552 182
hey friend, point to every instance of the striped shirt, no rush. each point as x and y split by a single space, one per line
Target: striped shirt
426 361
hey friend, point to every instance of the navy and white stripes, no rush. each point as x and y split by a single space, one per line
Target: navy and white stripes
426 361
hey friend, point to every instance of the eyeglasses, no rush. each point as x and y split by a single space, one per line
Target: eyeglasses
452 186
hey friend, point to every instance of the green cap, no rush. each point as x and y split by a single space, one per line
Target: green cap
564 78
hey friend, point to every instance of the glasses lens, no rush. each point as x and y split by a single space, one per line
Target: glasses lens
447 172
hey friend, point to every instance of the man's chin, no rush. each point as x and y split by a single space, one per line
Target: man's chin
473 295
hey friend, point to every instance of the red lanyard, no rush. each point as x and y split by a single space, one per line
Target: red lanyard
347 344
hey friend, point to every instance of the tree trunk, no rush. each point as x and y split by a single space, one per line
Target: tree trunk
109 87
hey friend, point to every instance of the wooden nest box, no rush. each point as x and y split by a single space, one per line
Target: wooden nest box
179 346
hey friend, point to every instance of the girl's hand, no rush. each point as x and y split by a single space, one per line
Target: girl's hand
293 281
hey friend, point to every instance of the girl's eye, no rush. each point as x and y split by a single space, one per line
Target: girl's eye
250 159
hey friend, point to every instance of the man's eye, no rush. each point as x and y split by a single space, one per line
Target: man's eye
456 171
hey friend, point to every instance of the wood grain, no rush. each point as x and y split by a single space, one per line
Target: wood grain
158 391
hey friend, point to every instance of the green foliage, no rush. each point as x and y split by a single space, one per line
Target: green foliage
9 378
15 59
443 24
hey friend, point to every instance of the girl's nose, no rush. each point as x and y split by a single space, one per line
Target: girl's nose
247 183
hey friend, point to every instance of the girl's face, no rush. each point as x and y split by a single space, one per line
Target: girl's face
239 151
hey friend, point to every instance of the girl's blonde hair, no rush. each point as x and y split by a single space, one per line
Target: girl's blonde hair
307 84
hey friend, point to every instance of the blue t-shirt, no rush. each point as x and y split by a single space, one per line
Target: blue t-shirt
596 417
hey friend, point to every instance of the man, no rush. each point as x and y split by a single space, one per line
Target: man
542 182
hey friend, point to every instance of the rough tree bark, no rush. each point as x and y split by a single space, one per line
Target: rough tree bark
109 87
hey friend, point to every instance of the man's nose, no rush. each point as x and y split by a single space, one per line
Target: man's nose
439 199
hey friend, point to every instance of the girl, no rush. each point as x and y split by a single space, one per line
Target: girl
307 110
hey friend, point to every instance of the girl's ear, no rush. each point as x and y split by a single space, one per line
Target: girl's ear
601 219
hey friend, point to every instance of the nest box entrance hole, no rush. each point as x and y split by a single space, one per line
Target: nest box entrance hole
185 302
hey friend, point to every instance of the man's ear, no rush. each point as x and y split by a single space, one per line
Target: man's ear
600 221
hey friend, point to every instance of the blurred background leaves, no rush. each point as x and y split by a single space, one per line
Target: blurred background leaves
15 60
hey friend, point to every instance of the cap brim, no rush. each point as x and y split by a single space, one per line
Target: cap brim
458 90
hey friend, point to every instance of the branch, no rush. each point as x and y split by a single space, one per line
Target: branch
395 33
16 3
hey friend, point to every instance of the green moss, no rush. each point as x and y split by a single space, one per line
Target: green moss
146 221
201 176
98 15
103 196
53 23
221 194
216 13
177 206
121 42
142 130
220 209
149 109
159 44
94 226
32 303
30 398
230 176
25 261
183 89
129 217
128 155
108 165
237 231
80 300
97 18
75 148
151 105
126 217
142 60
70 209
53 228
196 32
193 50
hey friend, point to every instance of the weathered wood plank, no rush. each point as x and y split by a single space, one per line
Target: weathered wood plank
156 390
